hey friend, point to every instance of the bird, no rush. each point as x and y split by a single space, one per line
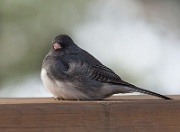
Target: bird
70 73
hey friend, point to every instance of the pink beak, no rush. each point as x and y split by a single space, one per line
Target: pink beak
56 46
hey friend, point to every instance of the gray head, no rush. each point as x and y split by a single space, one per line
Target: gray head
62 41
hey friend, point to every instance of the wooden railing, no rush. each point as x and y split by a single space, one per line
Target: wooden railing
121 114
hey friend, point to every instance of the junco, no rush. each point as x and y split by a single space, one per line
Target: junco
70 73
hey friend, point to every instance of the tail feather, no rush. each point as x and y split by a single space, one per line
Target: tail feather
137 89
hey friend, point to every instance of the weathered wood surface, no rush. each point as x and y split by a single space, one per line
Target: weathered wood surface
121 114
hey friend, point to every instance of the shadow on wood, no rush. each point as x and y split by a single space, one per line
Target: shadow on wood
125 114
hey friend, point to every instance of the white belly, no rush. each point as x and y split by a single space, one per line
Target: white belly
60 89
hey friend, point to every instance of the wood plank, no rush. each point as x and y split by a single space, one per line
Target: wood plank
122 113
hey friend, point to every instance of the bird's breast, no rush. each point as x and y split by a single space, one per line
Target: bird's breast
61 89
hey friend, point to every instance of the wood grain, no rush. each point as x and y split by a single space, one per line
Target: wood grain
120 113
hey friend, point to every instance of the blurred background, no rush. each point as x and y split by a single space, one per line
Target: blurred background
139 40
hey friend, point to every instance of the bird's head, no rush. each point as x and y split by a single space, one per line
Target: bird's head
61 42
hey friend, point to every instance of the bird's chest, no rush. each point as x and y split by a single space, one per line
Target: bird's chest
61 89
47 81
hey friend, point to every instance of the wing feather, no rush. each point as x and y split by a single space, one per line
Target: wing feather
104 74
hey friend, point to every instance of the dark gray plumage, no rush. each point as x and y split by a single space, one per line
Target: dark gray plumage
69 72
